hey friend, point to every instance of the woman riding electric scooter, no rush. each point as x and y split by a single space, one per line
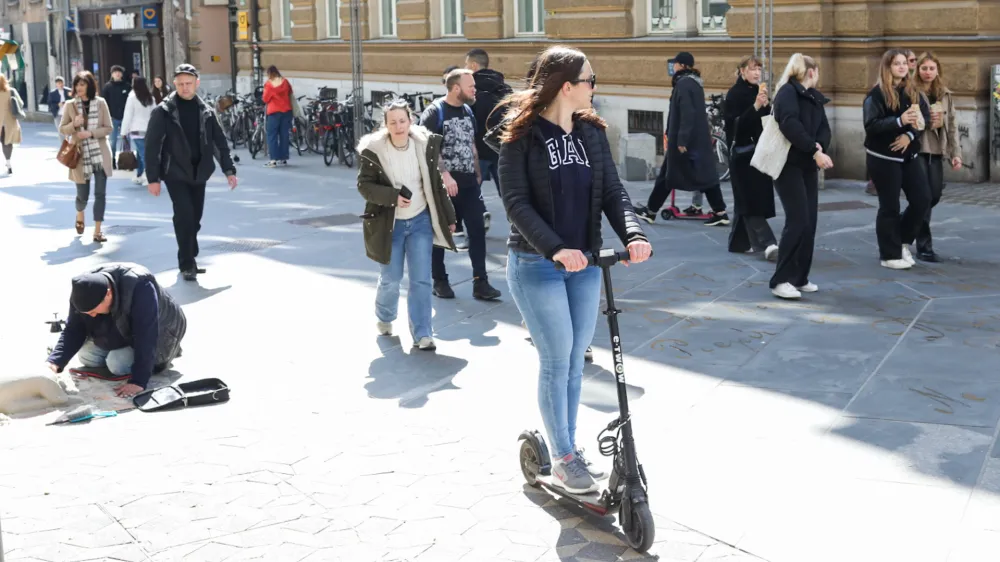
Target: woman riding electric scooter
556 177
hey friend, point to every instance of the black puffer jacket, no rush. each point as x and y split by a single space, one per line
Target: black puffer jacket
528 198
883 125
801 118
490 89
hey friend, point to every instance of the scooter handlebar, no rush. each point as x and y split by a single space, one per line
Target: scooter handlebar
606 258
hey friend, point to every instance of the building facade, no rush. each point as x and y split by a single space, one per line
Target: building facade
26 21
409 42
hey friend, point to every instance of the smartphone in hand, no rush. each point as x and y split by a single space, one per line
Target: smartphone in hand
406 193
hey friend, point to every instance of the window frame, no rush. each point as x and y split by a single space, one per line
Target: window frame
707 29
331 34
459 19
393 24
286 19
649 21
538 7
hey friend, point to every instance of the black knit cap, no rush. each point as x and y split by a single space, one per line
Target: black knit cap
685 58
89 290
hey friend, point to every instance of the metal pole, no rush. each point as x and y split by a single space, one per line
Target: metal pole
756 21
357 72
770 46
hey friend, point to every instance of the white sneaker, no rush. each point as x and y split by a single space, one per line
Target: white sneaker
896 264
907 256
384 328
137 180
426 344
786 291
808 288
771 253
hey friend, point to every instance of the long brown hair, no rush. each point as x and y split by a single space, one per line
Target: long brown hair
3 83
937 87
556 66
885 79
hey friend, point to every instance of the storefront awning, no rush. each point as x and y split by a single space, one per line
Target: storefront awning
10 56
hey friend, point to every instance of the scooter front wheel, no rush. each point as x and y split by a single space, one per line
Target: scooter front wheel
638 525
529 462
666 215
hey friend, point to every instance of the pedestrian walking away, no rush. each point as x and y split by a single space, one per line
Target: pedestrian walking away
88 121
557 178
138 109
408 213
183 136
688 164
938 144
115 93
10 127
753 190
800 115
491 87
895 118
452 118
278 99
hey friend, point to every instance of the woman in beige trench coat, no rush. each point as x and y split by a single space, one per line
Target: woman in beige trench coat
10 129
87 121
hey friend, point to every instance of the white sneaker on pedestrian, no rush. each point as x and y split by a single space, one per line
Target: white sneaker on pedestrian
137 180
425 344
896 264
907 256
384 328
771 253
808 288
786 291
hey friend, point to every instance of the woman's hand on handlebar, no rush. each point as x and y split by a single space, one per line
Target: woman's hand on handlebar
638 251
572 260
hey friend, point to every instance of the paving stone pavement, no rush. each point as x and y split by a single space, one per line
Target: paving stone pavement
858 424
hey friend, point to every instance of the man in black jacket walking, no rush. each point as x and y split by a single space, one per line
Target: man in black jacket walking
491 87
182 138
115 93
120 319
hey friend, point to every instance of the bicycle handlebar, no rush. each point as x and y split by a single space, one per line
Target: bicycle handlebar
607 258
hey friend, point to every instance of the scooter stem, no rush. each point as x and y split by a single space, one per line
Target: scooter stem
628 445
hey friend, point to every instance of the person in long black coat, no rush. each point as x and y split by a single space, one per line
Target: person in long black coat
689 164
753 191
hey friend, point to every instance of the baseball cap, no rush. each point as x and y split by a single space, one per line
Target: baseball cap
685 58
186 69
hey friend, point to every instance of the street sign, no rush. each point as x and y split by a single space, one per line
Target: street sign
150 17
243 22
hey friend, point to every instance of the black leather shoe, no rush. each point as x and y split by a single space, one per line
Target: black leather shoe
928 256
482 290
442 290
190 275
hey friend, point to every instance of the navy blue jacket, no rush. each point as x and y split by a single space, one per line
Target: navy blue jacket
54 100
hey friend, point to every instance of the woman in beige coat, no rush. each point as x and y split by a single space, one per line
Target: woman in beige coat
939 144
87 121
10 129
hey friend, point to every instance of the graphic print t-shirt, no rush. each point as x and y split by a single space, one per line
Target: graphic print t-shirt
458 127
570 176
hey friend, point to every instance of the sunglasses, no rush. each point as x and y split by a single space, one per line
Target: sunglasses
592 81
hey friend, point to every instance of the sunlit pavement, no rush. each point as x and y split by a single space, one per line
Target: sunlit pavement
856 424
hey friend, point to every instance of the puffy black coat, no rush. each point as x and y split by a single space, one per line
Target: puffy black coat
883 125
753 190
687 126
490 89
168 156
802 120
528 198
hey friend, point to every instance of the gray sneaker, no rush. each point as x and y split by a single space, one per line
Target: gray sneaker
595 473
571 475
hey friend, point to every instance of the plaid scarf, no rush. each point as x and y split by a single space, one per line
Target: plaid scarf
93 158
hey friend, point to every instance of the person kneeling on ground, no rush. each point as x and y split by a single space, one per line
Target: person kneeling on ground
122 320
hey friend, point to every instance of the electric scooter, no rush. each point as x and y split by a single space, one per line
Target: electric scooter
674 212
626 491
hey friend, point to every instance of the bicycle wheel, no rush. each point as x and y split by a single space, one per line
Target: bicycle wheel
347 149
256 142
329 147
298 135
721 156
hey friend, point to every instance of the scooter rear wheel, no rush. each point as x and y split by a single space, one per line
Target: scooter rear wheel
666 214
529 462
638 526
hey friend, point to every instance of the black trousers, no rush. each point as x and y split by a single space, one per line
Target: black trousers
934 170
798 189
468 205
750 233
660 193
189 204
893 229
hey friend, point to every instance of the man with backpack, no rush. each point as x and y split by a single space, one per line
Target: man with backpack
454 120
490 89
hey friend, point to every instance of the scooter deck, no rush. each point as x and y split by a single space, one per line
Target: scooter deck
679 214
591 501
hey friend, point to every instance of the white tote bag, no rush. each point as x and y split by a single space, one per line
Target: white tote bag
772 148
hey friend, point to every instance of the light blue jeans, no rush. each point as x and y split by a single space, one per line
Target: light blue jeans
118 361
412 240
139 147
560 310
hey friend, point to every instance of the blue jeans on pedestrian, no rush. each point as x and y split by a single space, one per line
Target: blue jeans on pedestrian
412 240
279 127
490 172
118 361
560 310
116 131
139 147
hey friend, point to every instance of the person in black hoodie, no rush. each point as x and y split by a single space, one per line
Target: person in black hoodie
115 93
491 87
557 178
798 111
895 115
689 164
753 191
182 138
